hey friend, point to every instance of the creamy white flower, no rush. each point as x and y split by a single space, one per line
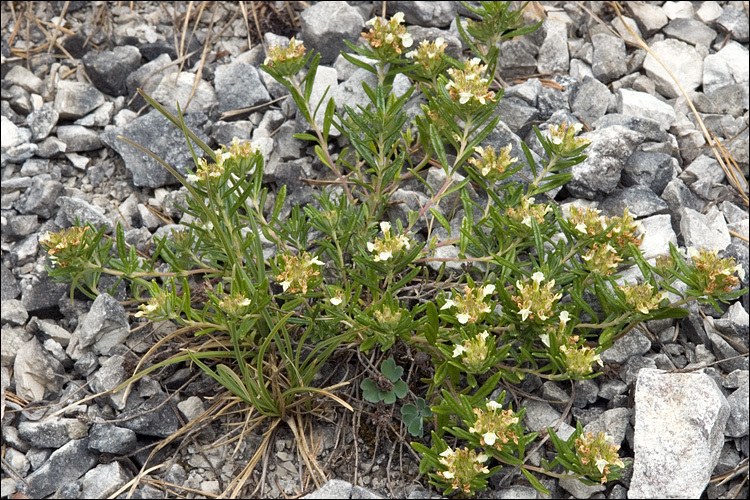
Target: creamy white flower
482 457
385 255
489 438
193 178
317 261
463 318
407 40
389 38
458 350
385 226
740 271
371 22
527 220
447 453
411 54
484 335
577 127
398 17
538 277
448 303
601 464
524 313
336 300
493 405
285 284
564 317
489 289
448 474
544 338
581 227
465 96
439 41
370 246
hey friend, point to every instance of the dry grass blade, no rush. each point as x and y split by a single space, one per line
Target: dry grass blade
710 139
58 24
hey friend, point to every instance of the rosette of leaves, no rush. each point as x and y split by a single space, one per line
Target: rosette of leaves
387 386
414 415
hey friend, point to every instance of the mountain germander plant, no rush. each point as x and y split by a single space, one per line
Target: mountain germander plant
540 290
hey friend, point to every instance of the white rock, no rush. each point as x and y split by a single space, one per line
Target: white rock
709 12
682 59
707 231
679 433
673 10
658 234
736 57
644 105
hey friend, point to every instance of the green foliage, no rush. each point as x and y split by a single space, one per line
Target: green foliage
540 288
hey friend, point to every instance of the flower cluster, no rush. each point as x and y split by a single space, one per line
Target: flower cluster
494 425
385 247
586 221
563 137
642 297
159 306
297 272
474 351
429 57
535 301
469 84
288 60
65 243
579 359
492 164
527 209
623 231
387 316
234 305
599 451
601 259
714 273
388 39
471 305
207 171
463 466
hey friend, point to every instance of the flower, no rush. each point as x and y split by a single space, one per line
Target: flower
474 351
471 304
535 301
601 259
462 465
469 85
642 297
495 427
598 454
297 272
385 247
388 38
714 274
492 164
527 209
234 305
287 61
580 359
563 140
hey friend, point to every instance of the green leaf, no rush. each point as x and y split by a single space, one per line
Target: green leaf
400 389
390 370
442 220
370 390
433 323
437 144
535 482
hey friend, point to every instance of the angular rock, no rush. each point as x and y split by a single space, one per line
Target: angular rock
238 85
162 138
709 12
39 198
600 172
676 10
609 58
650 129
515 60
635 343
653 170
76 99
591 101
553 54
736 58
42 121
679 433
540 415
155 417
13 312
78 138
8 284
678 195
643 105
517 115
734 21
658 234
64 466
110 69
19 75
104 480
52 433
36 371
682 59
707 231
613 422
691 31
641 201
70 208
334 488
737 425
324 27
105 326
434 14
649 17
178 87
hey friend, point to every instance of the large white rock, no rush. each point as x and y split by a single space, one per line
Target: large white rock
679 433
682 59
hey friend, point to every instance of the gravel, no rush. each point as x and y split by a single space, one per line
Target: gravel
61 159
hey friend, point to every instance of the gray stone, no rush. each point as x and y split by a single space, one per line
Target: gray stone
682 59
707 231
622 28
178 87
587 392
13 340
657 235
78 138
40 197
676 10
11 135
19 75
238 85
578 489
540 415
553 100
709 12
649 17
691 31
70 208
678 195
612 388
517 115
334 489
9 288
600 172
610 58
19 100
105 326
724 351
35 166
64 466
735 321
612 422
641 201
41 121
630 370
155 417
325 77
36 371
728 460
324 27
74 99
515 60
734 21
653 170
635 343
679 433
643 105
109 69
737 425
40 294
651 130
433 14
553 54
731 99
13 312
110 375
108 438
24 251
104 480
51 147
591 101
528 91
736 58
148 76
53 432
359 492
161 137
